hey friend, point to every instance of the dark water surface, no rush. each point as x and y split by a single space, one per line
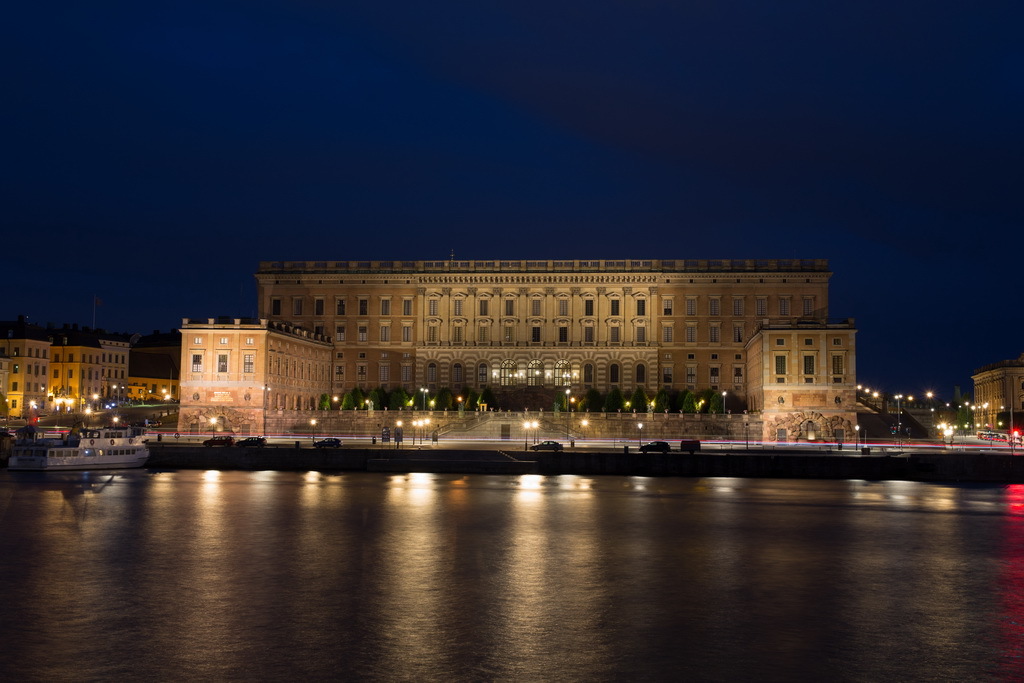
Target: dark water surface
272 576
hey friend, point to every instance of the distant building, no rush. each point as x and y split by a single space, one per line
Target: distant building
61 368
153 367
999 394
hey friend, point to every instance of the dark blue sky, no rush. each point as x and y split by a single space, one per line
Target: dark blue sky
155 152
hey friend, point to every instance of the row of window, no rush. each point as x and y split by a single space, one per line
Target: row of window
714 306
101 373
457 334
809 363
90 358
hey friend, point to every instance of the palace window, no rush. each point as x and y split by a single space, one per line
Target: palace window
275 307
339 307
481 374
563 334
615 306
457 373
837 365
510 307
457 306
562 376
808 365
457 334
641 373
222 362
563 307
197 363
641 335
535 334
691 333
588 374
339 333
535 373
535 307
715 307
783 306
691 306
780 365
507 374
407 333
406 306
666 306
385 333
613 373
484 306
613 335
249 363
588 307
385 306
432 307
431 373
297 306
318 306
361 333
641 307
588 334
761 307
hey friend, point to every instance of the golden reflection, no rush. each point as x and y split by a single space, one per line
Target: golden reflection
211 475
312 477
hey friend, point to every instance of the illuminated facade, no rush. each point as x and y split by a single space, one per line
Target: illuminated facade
677 324
999 394
236 371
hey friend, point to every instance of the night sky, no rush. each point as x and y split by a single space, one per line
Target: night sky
155 152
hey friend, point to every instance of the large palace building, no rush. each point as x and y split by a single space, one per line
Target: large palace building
757 329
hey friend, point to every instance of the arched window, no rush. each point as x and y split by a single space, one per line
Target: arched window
641 373
535 373
562 376
613 373
588 374
457 373
507 376
481 374
432 372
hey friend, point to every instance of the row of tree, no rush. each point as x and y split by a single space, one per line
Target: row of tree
593 401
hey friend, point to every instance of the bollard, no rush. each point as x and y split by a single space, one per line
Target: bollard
374 441
159 437
298 444
865 451
625 450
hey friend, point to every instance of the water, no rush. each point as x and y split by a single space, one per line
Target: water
279 576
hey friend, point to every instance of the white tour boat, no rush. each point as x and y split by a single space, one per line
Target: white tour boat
107 448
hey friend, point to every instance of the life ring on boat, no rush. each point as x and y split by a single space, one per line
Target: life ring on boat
111 442
92 442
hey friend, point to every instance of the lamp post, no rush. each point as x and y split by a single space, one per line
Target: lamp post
724 394
583 425
639 433
567 417
423 390
266 398
312 428
856 431
899 421
746 435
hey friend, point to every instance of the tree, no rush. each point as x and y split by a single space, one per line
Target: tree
357 398
663 401
379 397
613 401
444 399
325 402
470 398
346 402
639 400
715 403
679 399
689 403
487 396
398 399
592 401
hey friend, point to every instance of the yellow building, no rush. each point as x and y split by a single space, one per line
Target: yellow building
28 347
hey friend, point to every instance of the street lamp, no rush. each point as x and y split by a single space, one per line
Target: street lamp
856 431
266 397
312 427
639 433
724 393
899 421
423 390
567 416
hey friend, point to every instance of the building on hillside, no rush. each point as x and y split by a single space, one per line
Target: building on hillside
61 368
999 394
28 347
5 378
602 324
237 370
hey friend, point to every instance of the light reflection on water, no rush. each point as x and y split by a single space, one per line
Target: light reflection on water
273 576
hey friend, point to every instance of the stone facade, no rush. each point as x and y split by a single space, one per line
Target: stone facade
999 394
235 372
677 324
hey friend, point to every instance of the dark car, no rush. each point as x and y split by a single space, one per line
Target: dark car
219 441
329 442
252 442
656 446
690 445
546 446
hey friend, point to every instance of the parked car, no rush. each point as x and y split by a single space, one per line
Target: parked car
690 445
546 446
252 442
329 442
656 446
219 441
